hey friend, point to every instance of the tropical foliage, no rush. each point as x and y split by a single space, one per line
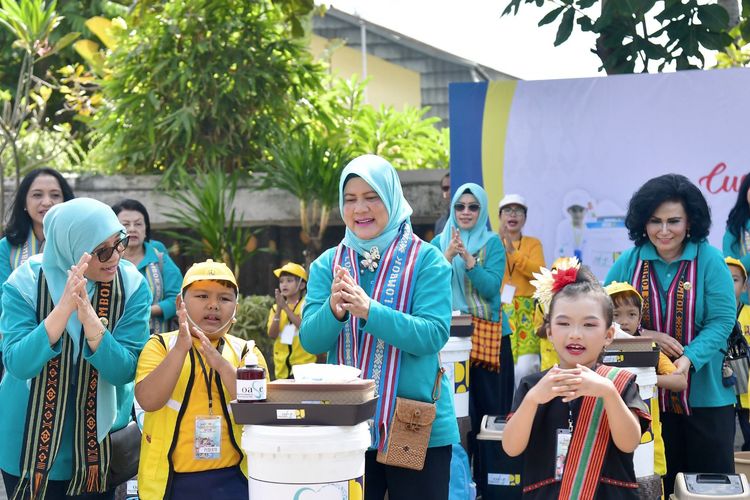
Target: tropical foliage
650 35
199 83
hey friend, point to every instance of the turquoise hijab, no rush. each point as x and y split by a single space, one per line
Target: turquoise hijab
70 229
383 179
474 240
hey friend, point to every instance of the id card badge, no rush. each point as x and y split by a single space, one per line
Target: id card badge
287 334
207 444
506 296
561 451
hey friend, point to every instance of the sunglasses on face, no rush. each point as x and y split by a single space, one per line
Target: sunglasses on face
104 254
445 188
460 207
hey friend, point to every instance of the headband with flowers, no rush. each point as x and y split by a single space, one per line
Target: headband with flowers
549 282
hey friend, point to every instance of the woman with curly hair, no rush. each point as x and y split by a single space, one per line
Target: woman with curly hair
689 310
737 236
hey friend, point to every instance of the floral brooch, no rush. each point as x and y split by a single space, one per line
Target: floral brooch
371 259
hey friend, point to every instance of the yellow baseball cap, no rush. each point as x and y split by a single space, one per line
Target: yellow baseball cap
293 269
208 271
620 286
731 261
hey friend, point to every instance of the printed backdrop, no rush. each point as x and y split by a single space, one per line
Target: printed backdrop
590 143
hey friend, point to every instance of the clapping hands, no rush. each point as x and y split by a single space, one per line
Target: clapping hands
75 286
347 296
570 384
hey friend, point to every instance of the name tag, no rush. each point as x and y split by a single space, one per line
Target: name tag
207 444
506 296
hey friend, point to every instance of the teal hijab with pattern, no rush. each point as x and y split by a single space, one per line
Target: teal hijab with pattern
474 239
383 179
70 229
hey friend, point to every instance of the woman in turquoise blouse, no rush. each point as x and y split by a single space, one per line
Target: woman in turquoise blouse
736 241
75 320
668 219
477 258
152 260
382 297
39 190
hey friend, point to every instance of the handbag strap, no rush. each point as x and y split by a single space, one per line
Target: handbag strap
437 387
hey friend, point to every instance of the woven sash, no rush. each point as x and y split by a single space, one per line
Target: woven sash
156 284
478 307
744 242
21 253
677 320
590 441
48 398
394 286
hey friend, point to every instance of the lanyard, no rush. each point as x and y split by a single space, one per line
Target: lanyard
570 416
208 376
507 261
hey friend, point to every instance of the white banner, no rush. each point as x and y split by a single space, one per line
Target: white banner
590 143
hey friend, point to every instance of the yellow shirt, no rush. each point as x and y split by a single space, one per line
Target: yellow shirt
527 259
285 356
664 367
197 405
744 320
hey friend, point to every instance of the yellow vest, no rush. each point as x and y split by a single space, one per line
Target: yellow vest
160 427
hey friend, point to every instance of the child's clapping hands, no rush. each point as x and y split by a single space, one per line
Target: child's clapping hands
570 384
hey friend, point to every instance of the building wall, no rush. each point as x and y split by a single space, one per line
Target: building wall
389 84
435 71
275 212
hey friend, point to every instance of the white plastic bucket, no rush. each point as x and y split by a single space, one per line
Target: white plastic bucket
454 357
643 456
300 462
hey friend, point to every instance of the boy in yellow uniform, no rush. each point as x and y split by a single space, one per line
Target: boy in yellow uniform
284 319
739 277
184 381
627 313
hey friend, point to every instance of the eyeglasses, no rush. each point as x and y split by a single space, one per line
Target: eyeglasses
460 207
104 254
445 188
512 210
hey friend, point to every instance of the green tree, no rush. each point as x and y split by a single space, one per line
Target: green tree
208 221
31 24
197 83
645 35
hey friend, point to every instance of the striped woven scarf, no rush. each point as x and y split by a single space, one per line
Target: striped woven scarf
589 442
156 284
48 398
478 307
21 253
678 320
379 361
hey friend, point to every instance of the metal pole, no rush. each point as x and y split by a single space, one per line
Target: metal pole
363 45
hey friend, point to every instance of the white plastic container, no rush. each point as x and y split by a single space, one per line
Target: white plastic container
643 456
287 462
454 357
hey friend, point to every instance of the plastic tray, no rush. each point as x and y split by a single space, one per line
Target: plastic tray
461 331
296 392
303 414
631 358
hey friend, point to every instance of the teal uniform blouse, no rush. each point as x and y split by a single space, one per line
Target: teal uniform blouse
715 311
487 278
732 247
27 350
419 335
171 276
